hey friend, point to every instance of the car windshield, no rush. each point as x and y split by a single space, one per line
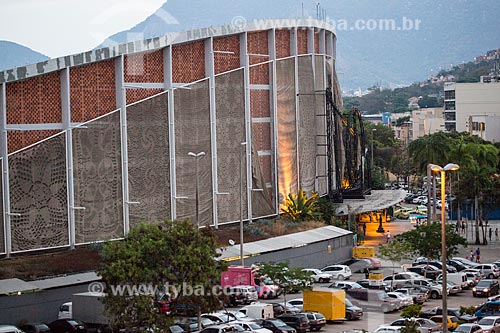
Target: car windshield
348 302
278 323
382 296
254 326
483 284
463 329
486 321
240 315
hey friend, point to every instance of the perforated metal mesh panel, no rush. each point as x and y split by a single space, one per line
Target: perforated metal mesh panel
98 179
307 124
38 192
192 134
148 160
321 140
2 222
287 132
230 110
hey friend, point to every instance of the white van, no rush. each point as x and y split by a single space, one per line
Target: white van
258 310
457 278
65 311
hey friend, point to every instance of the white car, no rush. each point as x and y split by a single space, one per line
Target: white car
490 324
318 275
388 329
339 272
10 329
298 303
252 327
405 300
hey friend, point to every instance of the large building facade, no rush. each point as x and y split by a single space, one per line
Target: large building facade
473 108
210 124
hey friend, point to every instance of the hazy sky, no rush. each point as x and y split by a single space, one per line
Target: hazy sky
61 27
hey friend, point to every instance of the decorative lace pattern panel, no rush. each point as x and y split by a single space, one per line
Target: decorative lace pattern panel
148 160
287 131
230 110
38 192
192 135
98 179
307 124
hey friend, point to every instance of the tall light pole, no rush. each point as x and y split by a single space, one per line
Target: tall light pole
243 149
442 171
197 199
371 166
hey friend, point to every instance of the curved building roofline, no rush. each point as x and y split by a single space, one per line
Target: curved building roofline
156 43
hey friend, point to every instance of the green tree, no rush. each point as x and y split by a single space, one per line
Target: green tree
426 240
433 148
175 258
396 251
289 279
299 207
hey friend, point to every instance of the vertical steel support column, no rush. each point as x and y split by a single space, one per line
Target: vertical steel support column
167 79
66 122
245 62
271 41
4 151
210 73
294 52
310 41
121 102
322 41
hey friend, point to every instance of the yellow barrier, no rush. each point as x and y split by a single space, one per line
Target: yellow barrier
376 276
363 252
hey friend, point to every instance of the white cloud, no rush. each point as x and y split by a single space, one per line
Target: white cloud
61 27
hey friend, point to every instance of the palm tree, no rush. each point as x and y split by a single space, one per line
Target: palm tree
299 207
432 148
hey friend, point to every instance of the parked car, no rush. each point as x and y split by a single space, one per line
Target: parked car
298 321
339 272
420 200
352 311
387 329
427 271
67 325
451 312
219 318
491 271
485 288
423 324
376 300
290 308
358 265
276 326
316 320
435 289
346 285
490 324
35 328
298 303
469 328
376 264
10 329
278 309
399 280
452 321
221 328
249 326
190 324
457 264
418 297
473 278
437 264
465 261
405 300
242 295
374 284
318 275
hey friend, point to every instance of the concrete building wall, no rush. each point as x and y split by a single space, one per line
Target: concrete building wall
427 121
474 99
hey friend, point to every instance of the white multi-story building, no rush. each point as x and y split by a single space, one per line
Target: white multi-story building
473 108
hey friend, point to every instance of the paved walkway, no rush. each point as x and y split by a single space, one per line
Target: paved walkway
489 252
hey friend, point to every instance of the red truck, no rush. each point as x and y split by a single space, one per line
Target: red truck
246 276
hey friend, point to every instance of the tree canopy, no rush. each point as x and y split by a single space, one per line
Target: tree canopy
155 259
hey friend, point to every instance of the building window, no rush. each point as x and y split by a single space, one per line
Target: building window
449 94
449 105
450 116
478 126
450 127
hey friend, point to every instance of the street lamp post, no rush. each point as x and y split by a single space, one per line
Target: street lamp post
243 144
442 171
197 198
371 166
